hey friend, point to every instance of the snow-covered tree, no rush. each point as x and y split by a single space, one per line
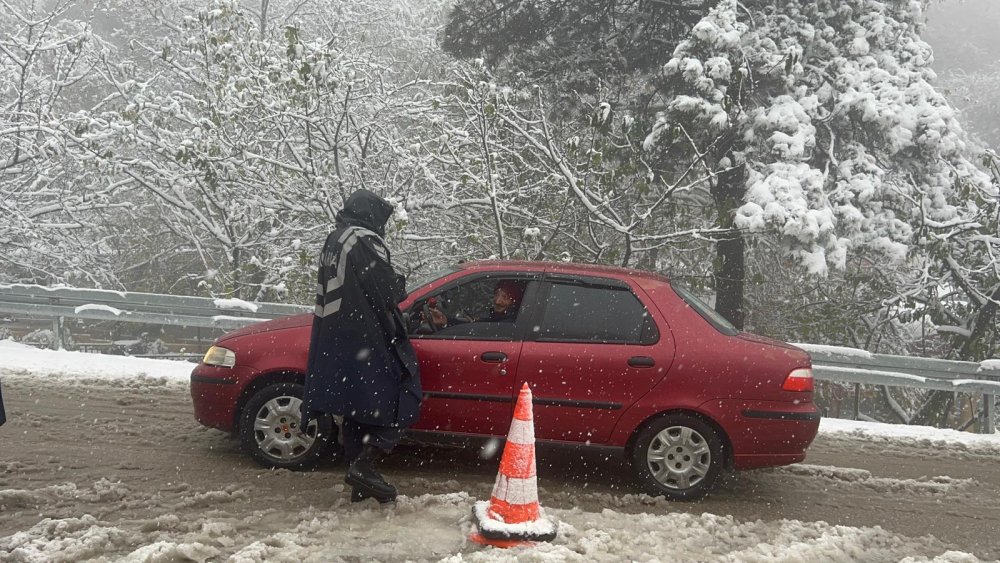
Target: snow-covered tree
817 123
213 144
513 184
52 225
245 144
824 127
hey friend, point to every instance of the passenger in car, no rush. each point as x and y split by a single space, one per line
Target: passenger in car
506 301
504 304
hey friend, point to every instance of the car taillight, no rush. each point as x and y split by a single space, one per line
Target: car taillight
799 380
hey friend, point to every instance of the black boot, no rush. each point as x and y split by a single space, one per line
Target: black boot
366 481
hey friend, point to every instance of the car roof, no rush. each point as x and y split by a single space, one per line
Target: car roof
562 268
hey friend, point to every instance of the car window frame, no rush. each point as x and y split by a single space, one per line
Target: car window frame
521 325
429 278
704 310
545 290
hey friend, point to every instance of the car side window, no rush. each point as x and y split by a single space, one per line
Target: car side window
582 313
482 309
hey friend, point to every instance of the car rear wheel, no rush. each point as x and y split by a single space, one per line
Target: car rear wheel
271 432
677 456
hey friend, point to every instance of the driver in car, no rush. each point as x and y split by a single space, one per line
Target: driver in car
503 307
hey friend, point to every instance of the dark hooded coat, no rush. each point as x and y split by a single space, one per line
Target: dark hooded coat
3 415
361 363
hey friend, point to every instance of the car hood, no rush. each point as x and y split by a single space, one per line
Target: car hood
282 323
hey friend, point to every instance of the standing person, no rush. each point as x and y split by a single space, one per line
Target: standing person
3 414
361 363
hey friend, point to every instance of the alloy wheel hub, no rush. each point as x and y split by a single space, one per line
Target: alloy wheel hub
679 457
277 429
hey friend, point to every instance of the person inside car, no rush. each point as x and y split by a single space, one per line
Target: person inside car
504 305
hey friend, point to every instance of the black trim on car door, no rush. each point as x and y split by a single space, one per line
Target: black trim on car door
468 397
780 415
535 400
577 404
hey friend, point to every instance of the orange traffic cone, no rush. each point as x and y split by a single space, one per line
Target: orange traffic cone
512 516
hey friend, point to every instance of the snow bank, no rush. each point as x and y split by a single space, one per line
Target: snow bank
436 527
901 432
20 359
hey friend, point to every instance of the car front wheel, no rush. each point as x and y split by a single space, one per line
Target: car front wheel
271 432
677 456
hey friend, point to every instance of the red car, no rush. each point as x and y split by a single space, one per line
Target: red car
614 357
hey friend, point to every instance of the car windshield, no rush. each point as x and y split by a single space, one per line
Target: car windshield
709 314
419 280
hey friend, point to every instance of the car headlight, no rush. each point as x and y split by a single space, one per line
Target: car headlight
218 356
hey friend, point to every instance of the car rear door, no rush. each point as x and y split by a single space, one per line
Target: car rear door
467 369
596 347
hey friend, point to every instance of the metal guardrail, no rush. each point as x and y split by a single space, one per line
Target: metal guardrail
58 303
864 368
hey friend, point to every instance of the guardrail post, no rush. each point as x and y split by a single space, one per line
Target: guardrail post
986 420
857 401
57 331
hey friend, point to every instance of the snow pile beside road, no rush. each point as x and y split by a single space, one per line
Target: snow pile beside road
436 527
878 431
20 359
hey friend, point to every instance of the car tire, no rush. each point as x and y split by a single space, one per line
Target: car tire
677 456
270 433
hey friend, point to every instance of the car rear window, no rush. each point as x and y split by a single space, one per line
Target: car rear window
584 313
709 314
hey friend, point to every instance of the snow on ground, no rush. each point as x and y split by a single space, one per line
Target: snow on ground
436 526
21 359
881 432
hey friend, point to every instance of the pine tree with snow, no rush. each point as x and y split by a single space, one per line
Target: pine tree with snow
818 122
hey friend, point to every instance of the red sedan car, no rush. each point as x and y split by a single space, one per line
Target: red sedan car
614 357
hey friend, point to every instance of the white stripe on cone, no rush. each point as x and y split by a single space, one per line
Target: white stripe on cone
521 432
516 491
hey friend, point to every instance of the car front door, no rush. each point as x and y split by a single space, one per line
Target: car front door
595 349
468 365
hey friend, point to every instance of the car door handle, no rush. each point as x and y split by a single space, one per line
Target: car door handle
493 357
641 362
